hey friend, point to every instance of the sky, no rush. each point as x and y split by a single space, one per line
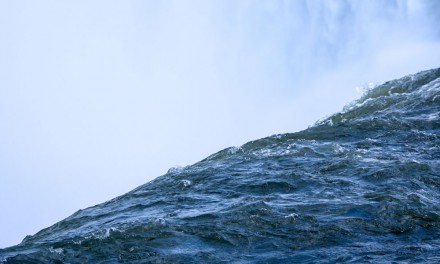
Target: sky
99 97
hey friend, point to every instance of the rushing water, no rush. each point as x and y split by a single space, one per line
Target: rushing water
361 186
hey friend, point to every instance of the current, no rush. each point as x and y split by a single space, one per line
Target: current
361 186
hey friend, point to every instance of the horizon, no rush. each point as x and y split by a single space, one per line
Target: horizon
100 97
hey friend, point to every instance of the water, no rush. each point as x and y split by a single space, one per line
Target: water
362 186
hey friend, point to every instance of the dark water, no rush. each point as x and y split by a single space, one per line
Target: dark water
362 186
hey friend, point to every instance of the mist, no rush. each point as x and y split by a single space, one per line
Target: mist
99 97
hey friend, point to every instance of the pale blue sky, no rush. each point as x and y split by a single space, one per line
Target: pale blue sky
99 97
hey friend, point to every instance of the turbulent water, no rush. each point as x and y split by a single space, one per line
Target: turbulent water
361 186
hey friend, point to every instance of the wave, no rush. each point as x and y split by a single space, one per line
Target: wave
362 185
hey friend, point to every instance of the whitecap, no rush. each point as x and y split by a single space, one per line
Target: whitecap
58 251
186 183
292 215
175 169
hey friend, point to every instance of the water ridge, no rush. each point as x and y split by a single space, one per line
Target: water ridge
361 186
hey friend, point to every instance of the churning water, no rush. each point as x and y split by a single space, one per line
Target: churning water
361 186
